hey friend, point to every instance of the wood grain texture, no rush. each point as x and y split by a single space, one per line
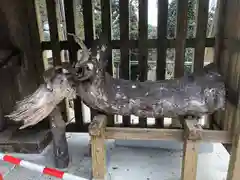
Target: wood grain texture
60 145
202 20
106 33
189 162
124 51
162 46
89 34
69 14
143 51
55 44
182 9
97 133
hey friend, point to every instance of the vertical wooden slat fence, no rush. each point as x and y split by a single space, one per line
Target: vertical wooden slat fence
143 51
89 34
181 37
69 15
181 33
232 33
55 44
52 20
201 32
124 51
106 33
217 54
162 47
202 21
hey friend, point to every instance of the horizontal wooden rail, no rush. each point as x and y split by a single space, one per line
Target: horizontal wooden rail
164 134
150 43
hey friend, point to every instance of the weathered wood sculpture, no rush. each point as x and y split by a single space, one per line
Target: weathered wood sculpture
196 94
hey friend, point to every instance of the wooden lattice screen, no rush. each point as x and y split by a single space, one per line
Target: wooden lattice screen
162 43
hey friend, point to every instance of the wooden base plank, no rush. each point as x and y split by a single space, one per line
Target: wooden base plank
164 134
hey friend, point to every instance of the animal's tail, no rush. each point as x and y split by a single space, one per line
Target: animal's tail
34 108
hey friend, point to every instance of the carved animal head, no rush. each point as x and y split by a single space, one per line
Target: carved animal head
90 64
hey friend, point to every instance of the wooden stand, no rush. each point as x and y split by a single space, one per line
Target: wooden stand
192 135
97 133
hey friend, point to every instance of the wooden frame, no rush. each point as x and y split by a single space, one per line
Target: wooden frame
192 135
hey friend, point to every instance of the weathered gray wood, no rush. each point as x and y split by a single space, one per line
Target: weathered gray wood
197 94
60 146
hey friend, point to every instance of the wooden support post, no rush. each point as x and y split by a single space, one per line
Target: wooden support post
60 146
234 163
193 134
97 132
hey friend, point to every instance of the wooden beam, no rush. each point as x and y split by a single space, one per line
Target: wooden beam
219 41
133 44
70 25
52 19
106 33
143 51
98 149
234 78
193 135
182 9
162 47
234 163
193 130
202 20
55 44
164 134
89 34
189 162
97 125
124 51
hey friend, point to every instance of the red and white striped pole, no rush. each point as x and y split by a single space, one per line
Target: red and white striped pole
35 167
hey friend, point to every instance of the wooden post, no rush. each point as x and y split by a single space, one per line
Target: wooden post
234 163
60 146
192 134
230 66
97 133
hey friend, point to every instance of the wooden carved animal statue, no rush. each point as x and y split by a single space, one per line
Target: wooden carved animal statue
196 94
